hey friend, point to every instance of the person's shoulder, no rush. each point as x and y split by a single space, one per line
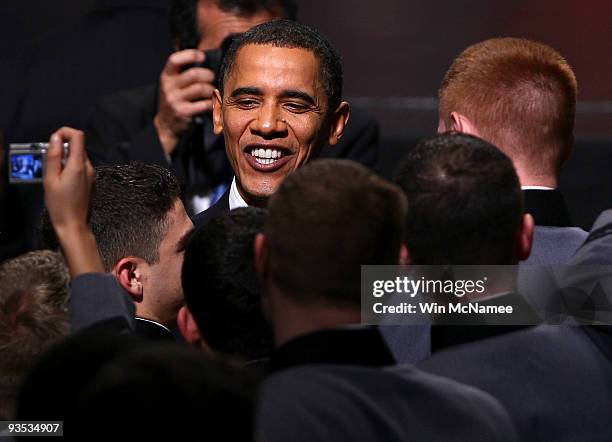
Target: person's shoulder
554 346
219 208
144 97
391 403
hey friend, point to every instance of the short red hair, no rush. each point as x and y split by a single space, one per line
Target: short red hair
520 95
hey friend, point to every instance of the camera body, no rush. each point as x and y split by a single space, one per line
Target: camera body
26 162
214 57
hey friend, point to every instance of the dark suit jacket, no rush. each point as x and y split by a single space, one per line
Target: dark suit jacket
553 380
217 209
364 403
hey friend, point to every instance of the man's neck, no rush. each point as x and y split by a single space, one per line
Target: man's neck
291 319
528 179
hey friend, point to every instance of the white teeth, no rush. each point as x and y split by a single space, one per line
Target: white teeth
266 156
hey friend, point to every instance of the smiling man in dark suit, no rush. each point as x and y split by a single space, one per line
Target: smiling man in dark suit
279 102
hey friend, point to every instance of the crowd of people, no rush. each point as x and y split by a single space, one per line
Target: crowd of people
200 265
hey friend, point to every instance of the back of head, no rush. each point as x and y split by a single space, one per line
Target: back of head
184 20
293 35
33 315
325 221
466 203
520 95
221 287
171 389
128 211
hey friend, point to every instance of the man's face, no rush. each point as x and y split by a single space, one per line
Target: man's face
164 280
215 24
273 115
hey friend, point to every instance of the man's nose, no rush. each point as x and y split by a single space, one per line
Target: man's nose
270 122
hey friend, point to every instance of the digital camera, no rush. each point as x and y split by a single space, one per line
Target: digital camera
25 162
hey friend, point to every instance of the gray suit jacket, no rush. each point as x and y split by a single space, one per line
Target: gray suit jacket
350 403
554 381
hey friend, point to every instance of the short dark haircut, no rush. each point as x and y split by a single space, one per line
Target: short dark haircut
466 203
34 314
184 15
325 221
221 287
183 390
128 213
290 34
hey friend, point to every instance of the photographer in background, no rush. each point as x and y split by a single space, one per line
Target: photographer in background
157 124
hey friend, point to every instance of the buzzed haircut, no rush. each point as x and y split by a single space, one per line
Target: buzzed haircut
221 287
520 95
325 221
34 314
293 35
466 204
183 15
128 213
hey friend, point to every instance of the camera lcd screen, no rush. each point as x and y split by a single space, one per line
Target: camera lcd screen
26 166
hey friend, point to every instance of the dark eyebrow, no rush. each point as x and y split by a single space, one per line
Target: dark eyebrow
246 91
249 90
299 95
182 243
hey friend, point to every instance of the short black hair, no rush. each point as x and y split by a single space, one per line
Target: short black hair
465 201
290 34
184 15
128 212
221 287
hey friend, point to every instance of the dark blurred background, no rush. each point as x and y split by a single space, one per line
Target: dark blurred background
59 56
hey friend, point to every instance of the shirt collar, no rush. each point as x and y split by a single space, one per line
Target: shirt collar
537 188
235 199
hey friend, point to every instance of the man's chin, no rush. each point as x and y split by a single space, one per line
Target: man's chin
258 195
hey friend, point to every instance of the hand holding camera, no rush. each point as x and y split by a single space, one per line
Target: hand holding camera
183 94
67 194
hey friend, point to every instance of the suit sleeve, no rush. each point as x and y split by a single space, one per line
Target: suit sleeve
120 133
98 297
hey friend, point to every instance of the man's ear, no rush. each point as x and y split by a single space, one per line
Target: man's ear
188 327
525 238
217 105
339 121
461 123
404 255
129 274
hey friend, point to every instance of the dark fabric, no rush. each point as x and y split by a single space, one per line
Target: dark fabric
329 403
121 130
149 331
547 208
353 346
464 328
553 381
98 297
214 211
